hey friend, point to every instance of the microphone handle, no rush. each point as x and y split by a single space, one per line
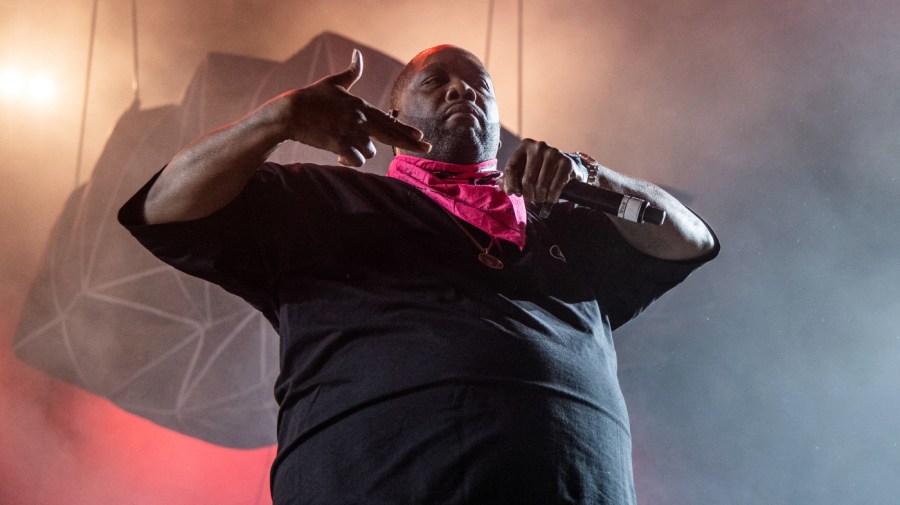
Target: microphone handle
626 207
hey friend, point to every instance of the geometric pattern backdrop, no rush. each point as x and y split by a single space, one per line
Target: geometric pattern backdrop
107 316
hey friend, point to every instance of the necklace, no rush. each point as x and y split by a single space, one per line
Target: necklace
485 256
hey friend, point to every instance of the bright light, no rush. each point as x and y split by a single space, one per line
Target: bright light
11 82
42 89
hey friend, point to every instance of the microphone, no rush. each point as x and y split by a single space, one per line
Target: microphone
627 207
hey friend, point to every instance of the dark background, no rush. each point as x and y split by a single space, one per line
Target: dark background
770 376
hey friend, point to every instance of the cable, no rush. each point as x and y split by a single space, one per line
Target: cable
135 81
87 89
520 64
487 43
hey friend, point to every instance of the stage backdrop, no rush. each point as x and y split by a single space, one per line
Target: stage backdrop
106 315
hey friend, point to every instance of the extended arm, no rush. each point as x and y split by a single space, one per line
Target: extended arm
682 237
538 172
211 171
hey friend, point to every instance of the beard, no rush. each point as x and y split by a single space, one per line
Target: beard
460 144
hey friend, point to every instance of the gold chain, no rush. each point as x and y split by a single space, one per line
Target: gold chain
485 257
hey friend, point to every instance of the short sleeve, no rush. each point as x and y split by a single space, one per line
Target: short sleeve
625 280
226 248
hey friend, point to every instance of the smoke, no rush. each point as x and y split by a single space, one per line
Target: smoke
781 389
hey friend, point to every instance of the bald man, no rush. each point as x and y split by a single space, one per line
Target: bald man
446 329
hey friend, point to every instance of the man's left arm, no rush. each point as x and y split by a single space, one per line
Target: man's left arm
538 172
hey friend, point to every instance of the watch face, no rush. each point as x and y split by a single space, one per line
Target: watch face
588 159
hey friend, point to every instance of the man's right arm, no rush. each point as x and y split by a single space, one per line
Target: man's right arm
211 171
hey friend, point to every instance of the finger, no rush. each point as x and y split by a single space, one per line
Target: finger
533 167
545 178
514 167
348 77
367 149
351 157
564 174
545 210
388 130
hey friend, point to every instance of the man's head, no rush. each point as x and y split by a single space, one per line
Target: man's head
446 92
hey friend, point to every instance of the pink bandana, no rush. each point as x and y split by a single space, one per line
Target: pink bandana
469 192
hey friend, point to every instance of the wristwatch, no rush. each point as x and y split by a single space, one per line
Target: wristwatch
589 163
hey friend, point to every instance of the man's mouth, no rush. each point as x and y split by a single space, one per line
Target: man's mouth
463 109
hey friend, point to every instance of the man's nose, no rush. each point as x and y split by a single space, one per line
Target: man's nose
460 89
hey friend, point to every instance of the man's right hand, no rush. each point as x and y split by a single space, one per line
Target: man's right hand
327 116
212 170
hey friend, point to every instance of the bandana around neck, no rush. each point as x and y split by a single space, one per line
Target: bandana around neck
469 192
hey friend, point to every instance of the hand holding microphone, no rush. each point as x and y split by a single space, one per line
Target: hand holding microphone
543 174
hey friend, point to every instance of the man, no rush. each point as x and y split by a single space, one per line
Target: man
440 343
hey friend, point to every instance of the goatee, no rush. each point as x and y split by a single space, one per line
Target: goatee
460 144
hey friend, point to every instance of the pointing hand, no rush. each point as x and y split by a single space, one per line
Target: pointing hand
327 116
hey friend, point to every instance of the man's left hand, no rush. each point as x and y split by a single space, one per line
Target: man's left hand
538 172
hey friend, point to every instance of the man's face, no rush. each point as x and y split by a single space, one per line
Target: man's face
450 97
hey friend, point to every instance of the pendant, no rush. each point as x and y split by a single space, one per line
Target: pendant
490 261
556 252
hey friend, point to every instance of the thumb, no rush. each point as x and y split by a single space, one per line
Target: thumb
348 77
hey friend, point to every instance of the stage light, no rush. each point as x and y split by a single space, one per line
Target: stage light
37 88
41 89
11 82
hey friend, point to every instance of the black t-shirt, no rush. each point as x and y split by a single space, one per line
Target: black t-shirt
410 372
